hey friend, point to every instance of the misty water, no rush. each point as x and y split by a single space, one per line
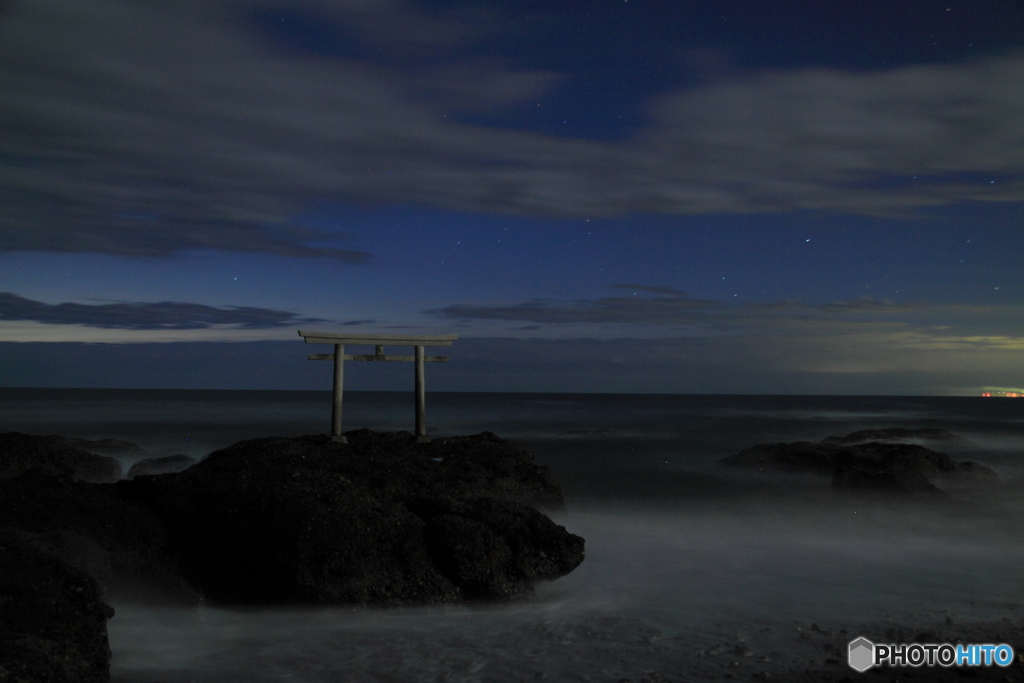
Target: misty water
682 556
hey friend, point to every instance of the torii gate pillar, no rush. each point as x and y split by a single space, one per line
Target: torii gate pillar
379 341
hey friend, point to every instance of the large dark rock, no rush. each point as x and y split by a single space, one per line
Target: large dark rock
128 532
799 455
887 477
496 549
71 548
889 467
102 446
53 620
911 457
22 452
898 435
164 465
380 520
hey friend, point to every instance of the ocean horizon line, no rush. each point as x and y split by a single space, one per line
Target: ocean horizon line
506 393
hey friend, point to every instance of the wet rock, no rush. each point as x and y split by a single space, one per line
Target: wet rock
53 620
102 446
163 465
895 456
872 476
62 508
53 455
466 466
495 549
968 469
799 455
899 435
903 468
379 520
891 467
73 549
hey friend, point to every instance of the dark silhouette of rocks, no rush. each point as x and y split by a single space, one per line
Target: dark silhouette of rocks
888 467
883 476
799 455
493 549
53 620
912 457
898 434
72 548
130 535
164 465
380 520
102 446
22 452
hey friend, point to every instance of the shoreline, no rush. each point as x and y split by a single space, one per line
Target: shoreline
439 647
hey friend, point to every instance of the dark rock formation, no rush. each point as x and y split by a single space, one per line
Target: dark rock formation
164 465
22 452
886 476
379 520
898 435
799 455
71 548
102 446
129 533
493 549
912 457
53 621
892 467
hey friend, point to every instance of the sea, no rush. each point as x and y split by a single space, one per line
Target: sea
685 559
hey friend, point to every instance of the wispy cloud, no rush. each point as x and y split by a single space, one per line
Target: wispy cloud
148 127
670 307
667 310
868 305
165 315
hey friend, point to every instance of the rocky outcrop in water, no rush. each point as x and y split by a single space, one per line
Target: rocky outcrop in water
102 446
898 435
55 456
128 533
878 466
380 520
799 456
165 465
53 620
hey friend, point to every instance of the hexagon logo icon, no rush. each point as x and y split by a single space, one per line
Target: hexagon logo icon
862 654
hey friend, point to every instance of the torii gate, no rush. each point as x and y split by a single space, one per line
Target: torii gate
379 341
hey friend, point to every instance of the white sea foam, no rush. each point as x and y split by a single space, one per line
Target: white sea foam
655 584
684 559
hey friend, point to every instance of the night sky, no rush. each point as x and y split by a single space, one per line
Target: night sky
736 196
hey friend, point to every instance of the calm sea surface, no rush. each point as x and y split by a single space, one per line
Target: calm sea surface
681 554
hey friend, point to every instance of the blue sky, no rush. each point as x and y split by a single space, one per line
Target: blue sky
724 197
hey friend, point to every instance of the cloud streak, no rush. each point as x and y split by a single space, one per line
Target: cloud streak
147 128
674 308
165 315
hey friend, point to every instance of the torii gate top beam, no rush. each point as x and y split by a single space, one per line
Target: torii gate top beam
379 339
